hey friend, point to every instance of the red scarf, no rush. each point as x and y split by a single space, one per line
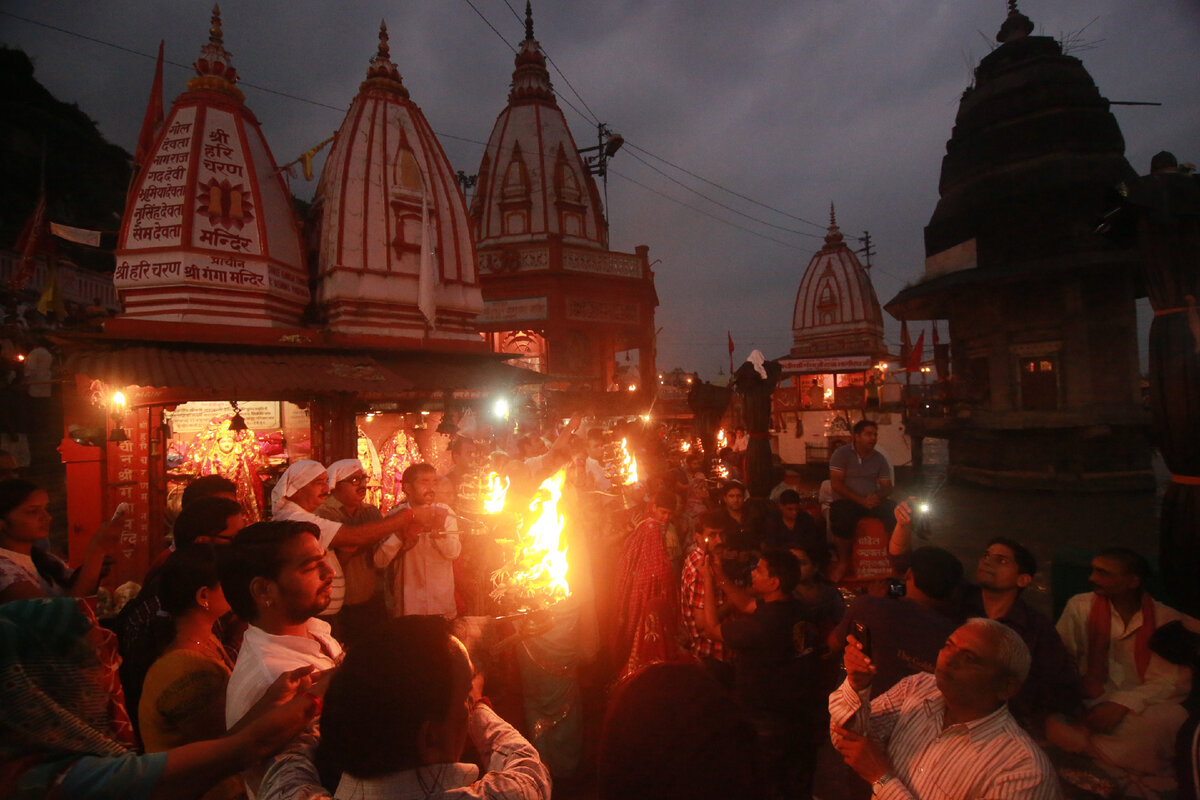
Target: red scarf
1099 637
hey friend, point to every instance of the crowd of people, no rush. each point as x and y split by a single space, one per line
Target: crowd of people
314 655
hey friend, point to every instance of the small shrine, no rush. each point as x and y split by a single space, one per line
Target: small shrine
837 369
209 236
553 291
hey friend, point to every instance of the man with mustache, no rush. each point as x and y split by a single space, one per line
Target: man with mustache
1133 697
422 582
277 579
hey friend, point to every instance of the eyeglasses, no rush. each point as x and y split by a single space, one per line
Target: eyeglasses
999 559
357 480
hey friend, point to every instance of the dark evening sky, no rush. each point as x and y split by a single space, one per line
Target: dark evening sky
790 105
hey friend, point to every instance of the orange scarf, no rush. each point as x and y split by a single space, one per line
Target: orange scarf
1099 637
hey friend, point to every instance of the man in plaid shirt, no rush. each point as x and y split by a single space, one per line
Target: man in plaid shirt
710 538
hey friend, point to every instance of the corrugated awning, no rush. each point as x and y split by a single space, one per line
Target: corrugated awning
248 375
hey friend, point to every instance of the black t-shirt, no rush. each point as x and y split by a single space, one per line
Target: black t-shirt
905 637
804 534
769 674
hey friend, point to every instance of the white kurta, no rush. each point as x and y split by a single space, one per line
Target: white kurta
426 580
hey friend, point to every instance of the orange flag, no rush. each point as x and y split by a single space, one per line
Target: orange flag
154 115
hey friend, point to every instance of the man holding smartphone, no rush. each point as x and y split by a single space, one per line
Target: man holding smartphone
907 632
948 735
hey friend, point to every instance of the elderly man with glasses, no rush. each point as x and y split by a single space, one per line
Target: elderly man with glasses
947 735
1005 569
363 607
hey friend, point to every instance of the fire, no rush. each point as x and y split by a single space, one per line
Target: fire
497 490
685 446
721 440
535 574
721 470
828 394
629 466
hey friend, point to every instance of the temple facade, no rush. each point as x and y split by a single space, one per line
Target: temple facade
395 254
1044 390
553 291
223 363
209 236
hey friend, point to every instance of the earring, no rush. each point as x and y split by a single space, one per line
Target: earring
204 606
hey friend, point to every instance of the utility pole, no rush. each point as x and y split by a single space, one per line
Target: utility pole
866 249
607 145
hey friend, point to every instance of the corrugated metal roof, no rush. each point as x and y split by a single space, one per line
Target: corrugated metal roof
243 374
258 373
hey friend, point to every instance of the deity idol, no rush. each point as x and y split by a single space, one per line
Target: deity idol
235 455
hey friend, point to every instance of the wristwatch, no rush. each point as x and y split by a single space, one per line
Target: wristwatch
883 780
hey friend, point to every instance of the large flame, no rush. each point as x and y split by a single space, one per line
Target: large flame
536 573
722 441
629 465
685 446
497 490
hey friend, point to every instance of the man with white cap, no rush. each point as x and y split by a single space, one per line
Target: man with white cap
300 491
363 606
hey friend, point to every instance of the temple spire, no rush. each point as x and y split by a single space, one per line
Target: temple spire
531 79
215 36
834 236
214 68
1015 26
382 71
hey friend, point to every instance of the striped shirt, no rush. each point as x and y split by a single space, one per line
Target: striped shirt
691 603
986 758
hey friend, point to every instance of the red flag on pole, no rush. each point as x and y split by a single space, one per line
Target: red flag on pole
154 115
918 351
730 335
34 238
905 342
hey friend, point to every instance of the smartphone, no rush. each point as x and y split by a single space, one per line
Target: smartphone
863 634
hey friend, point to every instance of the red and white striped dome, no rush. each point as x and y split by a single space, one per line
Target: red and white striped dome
532 182
396 254
209 234
836 310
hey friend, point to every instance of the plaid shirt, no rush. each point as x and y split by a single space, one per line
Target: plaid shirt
691 602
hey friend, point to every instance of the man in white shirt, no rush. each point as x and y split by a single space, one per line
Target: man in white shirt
299 492
277 579
1133 696
595 461
427 544
948 735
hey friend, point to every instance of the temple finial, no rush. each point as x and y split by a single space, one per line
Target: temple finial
1015 26
381 69
528 20
214 31
833 236
214 68
385 50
